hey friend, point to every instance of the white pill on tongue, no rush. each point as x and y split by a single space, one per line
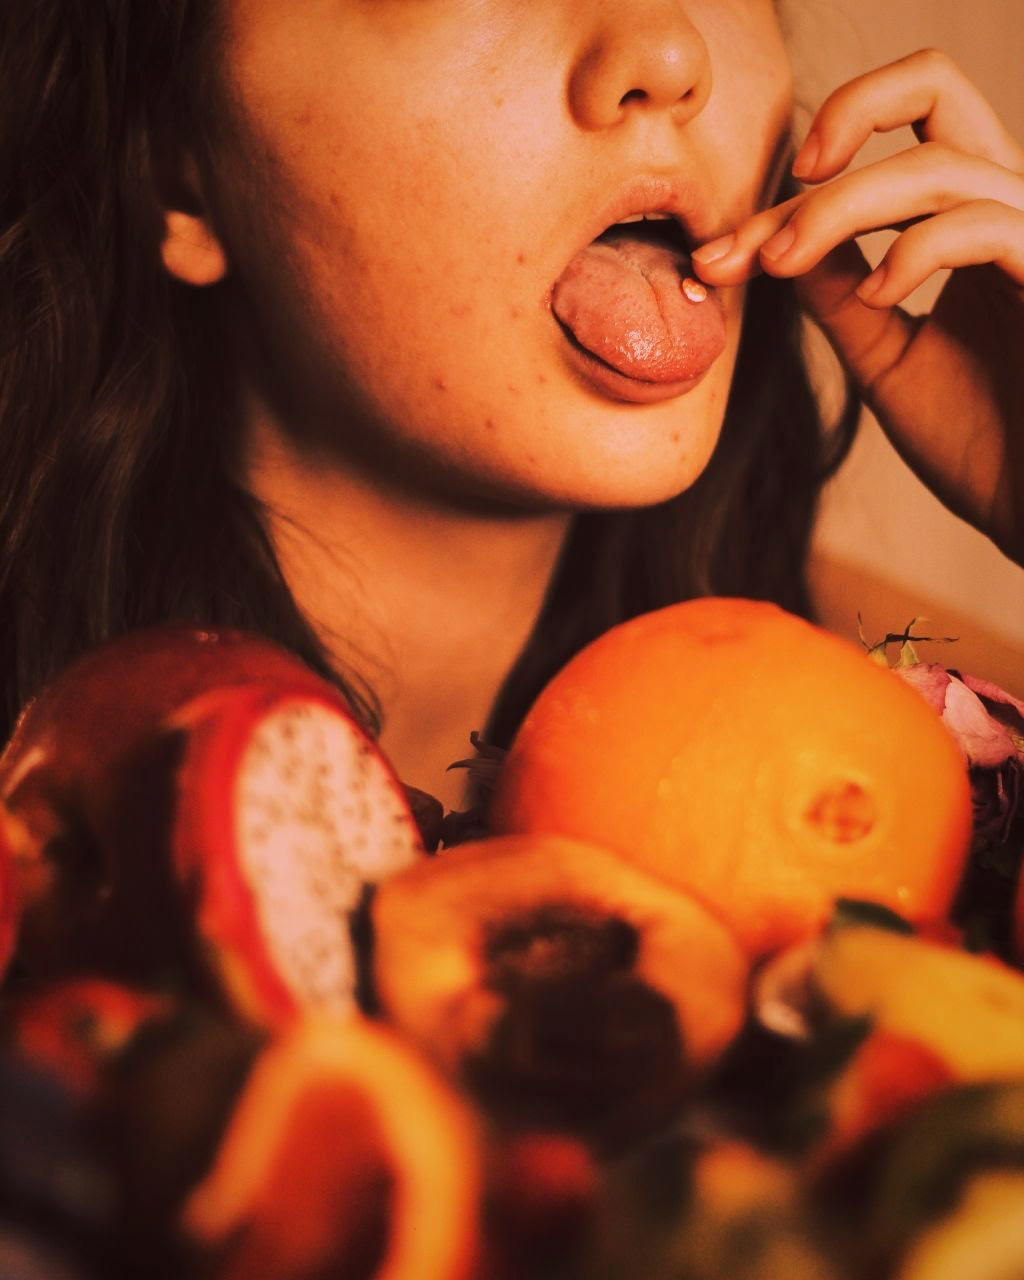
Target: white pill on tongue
622 299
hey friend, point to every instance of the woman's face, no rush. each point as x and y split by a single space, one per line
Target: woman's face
408 192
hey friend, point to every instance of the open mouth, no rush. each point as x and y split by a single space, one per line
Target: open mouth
629 306
649 228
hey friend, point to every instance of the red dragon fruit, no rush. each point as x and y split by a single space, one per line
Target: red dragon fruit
199 808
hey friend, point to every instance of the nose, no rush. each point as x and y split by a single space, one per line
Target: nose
639 55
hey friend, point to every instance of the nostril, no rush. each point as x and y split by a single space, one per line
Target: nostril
642 96
638 65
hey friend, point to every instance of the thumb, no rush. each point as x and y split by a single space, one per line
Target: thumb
869 341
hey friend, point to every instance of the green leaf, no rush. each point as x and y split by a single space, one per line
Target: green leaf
862 911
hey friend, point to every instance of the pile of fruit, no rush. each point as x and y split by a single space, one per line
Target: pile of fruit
728 991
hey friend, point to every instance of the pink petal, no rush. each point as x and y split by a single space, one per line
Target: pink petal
930 679
984 740
1008 709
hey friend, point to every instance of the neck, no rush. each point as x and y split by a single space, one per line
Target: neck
430 604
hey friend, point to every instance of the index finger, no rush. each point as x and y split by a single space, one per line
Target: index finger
927 90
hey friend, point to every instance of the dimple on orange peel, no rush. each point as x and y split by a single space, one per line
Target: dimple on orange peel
751 758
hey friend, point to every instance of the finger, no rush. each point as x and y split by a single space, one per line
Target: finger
733 258
926 89
925 180
978 232
870 341
920 377
889 193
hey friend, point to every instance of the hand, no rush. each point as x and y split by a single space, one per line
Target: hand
948 388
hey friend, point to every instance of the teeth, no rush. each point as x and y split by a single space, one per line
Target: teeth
646 217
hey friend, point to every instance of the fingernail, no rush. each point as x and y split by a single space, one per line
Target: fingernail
780 243
807 157
714 249
872 284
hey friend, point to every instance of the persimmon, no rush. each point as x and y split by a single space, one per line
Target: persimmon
346 1155
751 758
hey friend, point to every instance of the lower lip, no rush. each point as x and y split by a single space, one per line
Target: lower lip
613 385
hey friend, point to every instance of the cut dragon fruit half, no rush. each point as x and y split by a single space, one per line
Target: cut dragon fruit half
286 811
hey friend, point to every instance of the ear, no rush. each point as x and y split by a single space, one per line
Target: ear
191 249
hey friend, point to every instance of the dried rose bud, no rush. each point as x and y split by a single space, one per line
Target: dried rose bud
988 725
986 721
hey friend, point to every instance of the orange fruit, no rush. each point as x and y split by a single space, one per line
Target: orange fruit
750 758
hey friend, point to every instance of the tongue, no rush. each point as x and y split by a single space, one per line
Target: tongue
622 299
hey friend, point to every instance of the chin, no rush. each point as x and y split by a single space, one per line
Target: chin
616 486
643 474
573 459
640 493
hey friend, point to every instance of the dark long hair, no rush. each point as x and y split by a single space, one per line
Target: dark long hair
117 503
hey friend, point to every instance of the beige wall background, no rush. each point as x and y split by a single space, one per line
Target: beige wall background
884 546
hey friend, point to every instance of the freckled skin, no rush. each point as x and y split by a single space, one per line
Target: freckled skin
374 174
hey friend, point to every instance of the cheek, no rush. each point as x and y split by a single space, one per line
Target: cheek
389 306
748 117
391 214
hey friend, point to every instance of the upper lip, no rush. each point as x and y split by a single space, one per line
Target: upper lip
652 194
